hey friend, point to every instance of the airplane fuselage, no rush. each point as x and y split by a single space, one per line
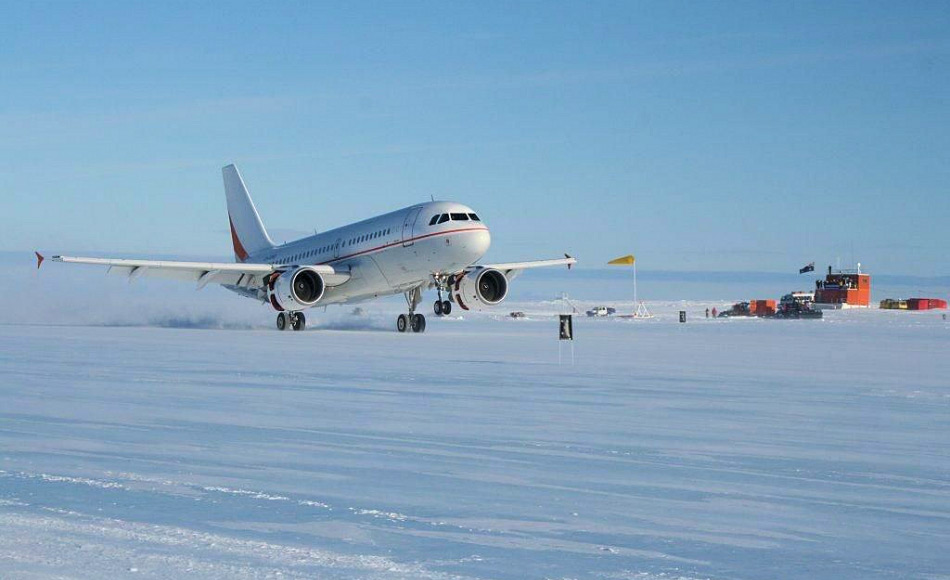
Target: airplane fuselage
390 253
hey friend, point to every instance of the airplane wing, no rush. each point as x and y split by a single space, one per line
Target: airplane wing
512 269
202 273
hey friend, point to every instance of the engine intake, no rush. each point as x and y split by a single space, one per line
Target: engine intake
296 289
480 289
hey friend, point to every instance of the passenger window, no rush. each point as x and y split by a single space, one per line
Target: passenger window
474 217
443 218
459 217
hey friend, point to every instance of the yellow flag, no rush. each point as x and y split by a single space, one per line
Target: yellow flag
624 261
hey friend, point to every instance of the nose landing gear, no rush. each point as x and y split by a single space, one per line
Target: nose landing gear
294 320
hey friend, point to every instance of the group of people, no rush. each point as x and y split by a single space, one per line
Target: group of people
714 312
845 283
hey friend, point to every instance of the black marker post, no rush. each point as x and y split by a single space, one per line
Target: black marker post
565 332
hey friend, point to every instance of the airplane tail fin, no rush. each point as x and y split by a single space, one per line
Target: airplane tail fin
247 231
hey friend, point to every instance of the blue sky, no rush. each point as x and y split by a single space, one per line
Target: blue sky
700 136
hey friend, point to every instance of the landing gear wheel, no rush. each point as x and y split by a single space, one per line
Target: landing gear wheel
299 321
437 308
446 308
418 323
282 321
402 323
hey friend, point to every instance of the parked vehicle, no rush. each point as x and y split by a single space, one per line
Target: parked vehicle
797 305
601 311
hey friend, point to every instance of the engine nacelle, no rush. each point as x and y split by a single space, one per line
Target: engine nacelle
296 289
480 289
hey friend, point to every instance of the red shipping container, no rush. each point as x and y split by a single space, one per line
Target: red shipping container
926 304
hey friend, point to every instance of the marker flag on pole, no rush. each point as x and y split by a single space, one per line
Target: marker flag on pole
627 260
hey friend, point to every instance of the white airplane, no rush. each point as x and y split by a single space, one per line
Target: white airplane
430 245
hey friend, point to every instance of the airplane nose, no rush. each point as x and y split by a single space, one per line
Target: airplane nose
480 242
473 245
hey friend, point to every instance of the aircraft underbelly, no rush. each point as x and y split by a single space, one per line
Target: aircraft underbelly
408 265
366 281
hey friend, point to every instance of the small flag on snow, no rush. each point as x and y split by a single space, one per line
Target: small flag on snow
808 268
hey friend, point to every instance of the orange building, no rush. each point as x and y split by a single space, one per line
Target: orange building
844 289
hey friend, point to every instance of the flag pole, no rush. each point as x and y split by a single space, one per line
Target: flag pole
635 300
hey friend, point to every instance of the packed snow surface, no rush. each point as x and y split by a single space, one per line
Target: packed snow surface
711 449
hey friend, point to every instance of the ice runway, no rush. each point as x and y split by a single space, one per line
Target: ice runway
715 449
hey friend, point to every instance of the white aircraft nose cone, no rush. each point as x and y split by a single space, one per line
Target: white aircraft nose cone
479 243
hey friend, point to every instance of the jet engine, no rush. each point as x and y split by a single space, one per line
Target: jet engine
296 289
480 289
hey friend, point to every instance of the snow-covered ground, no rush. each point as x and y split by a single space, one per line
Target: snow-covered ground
715 449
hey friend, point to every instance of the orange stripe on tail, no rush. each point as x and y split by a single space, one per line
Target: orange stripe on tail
239 250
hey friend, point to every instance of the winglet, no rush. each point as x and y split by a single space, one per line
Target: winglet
39 260
568 256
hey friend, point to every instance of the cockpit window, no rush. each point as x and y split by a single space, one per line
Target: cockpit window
443 218
474 217
434 219
459 217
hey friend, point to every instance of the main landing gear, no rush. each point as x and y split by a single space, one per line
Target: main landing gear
294 320
441 307
412 321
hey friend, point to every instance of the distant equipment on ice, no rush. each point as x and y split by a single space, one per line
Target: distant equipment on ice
629 260
601 311
567 300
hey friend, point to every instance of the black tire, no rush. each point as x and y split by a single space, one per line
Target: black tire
437 308
402 323
299 322
418 323
446 308
281 321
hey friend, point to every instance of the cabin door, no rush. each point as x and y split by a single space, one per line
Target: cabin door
407 225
